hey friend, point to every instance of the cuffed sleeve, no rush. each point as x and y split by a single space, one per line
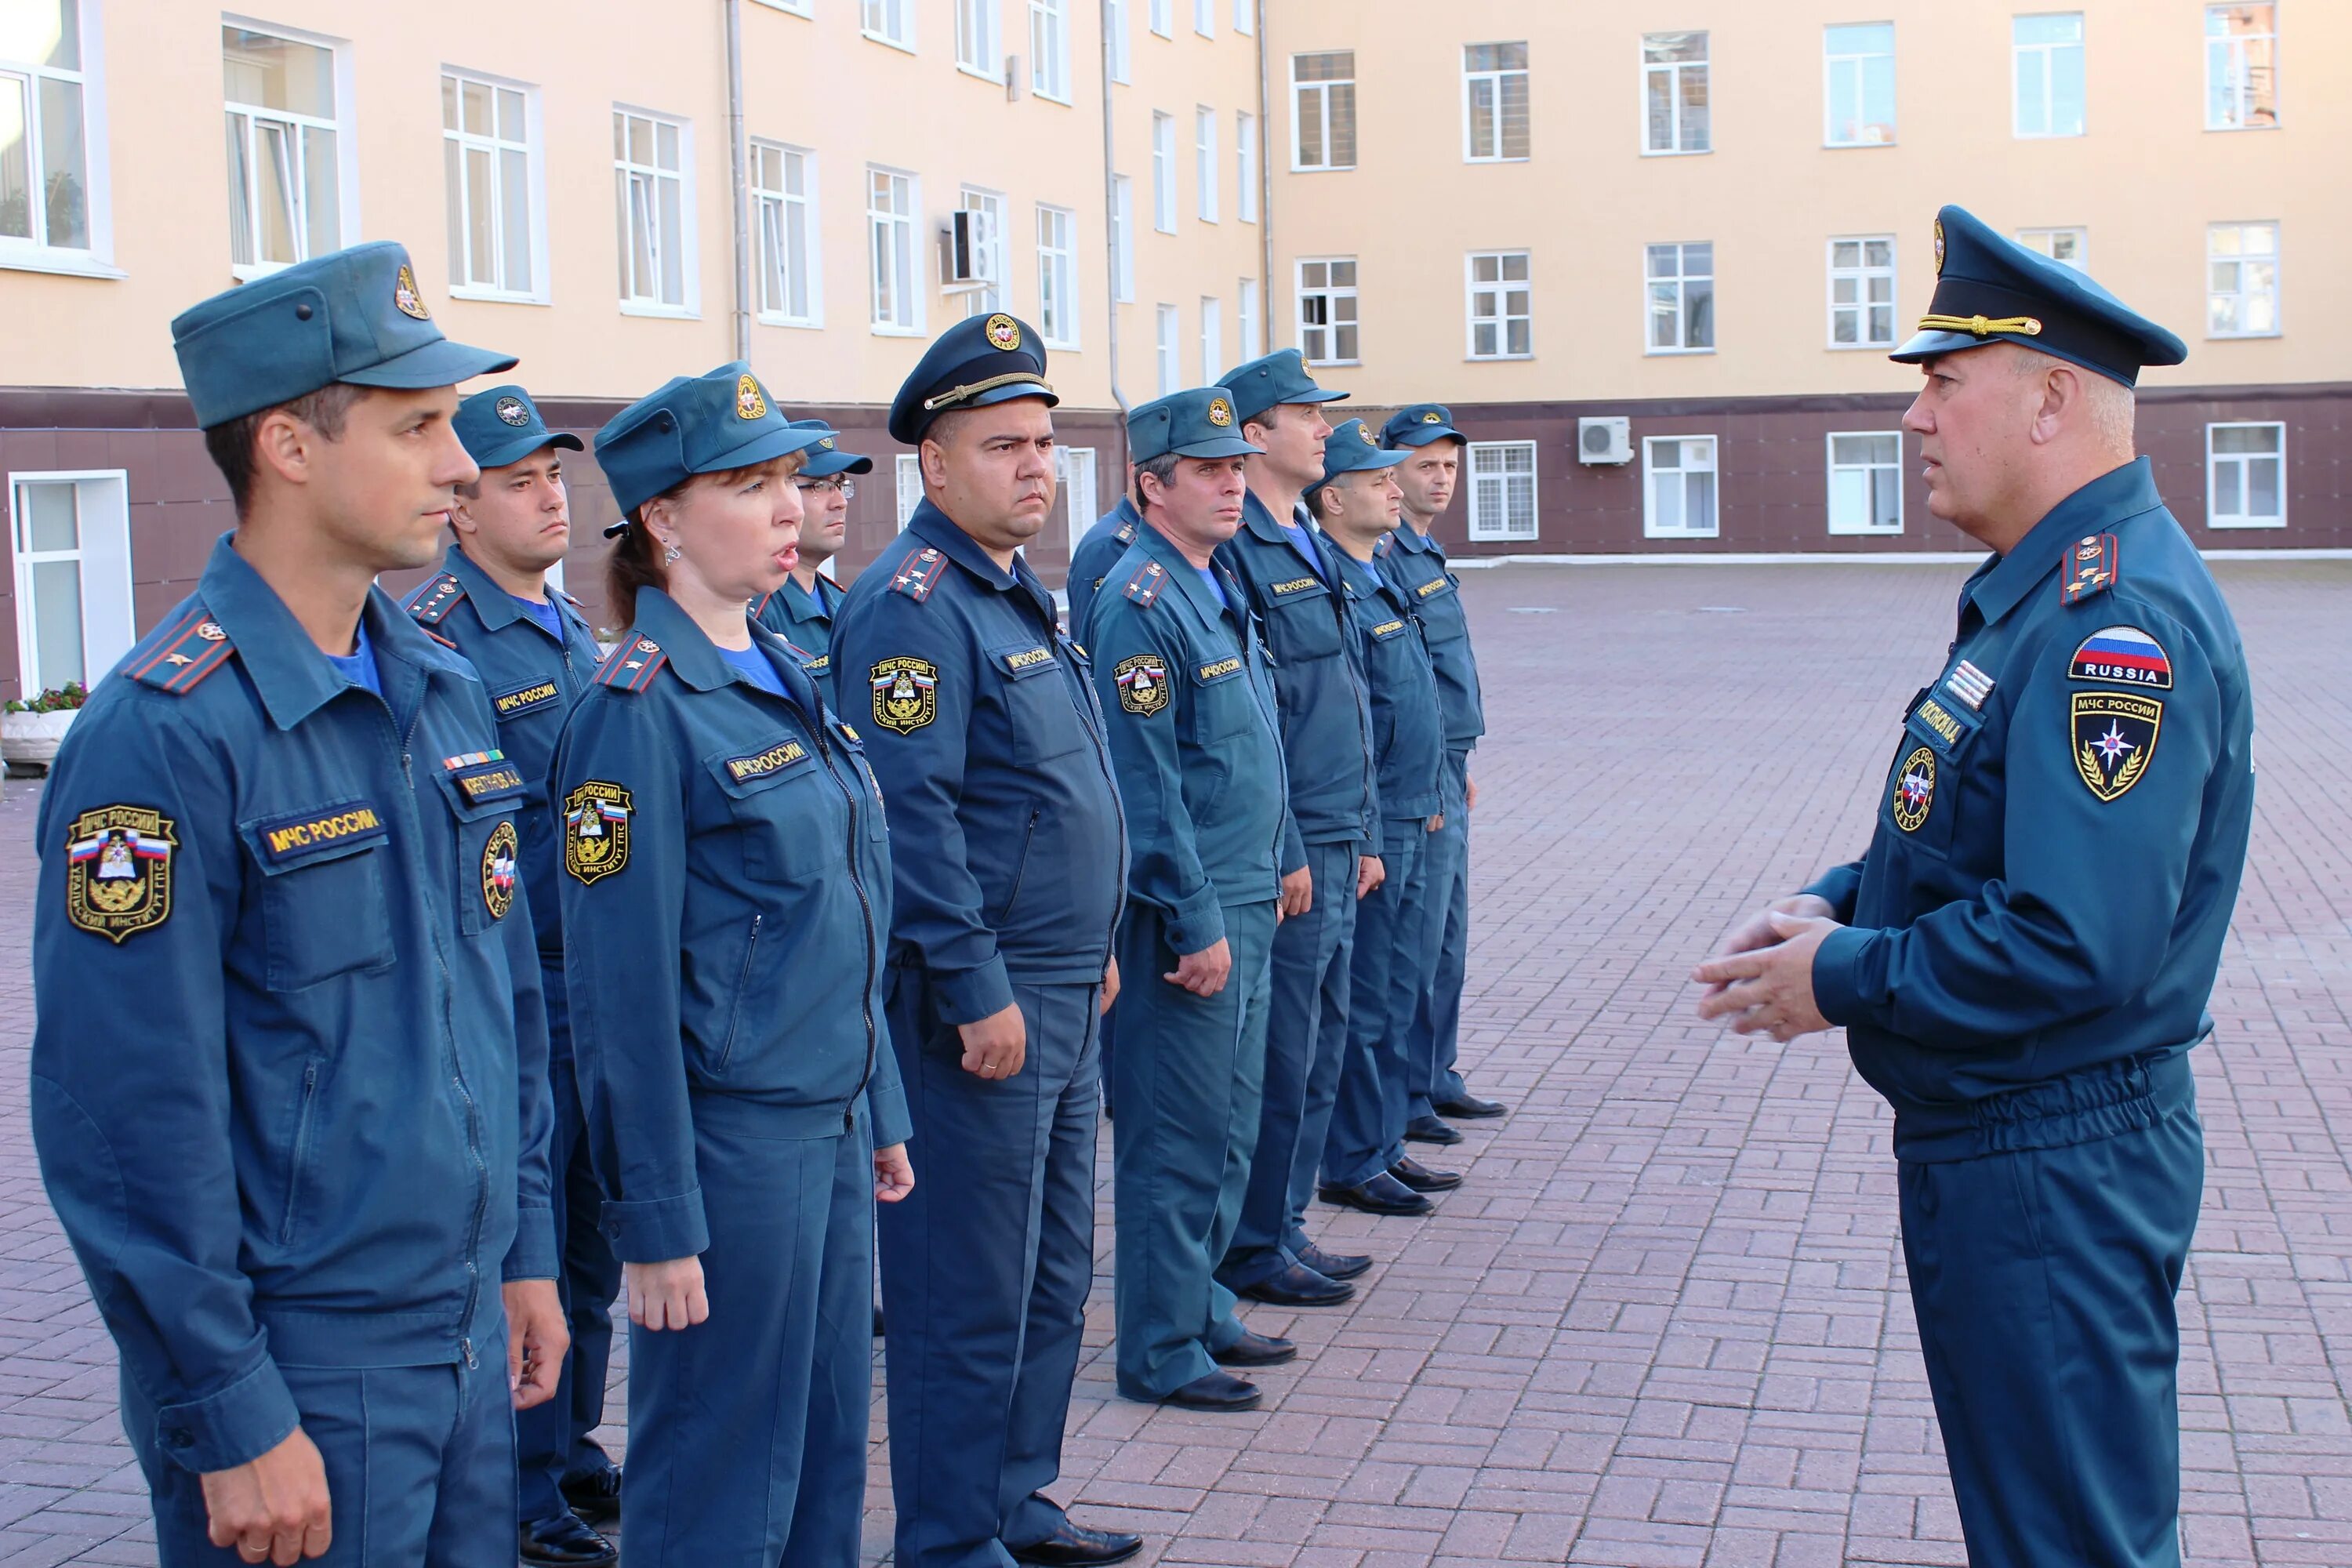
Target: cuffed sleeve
655 1230
1838 887
968 995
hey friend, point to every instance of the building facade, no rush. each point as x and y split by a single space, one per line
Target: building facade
1653 254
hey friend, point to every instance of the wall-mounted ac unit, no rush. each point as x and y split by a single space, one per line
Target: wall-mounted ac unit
1605 440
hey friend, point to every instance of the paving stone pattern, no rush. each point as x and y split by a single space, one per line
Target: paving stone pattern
1664 1322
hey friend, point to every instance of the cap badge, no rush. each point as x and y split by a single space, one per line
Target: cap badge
1220 413
1433 417
1364 434
1940 247
826 442
512 410
750 403
405 294
1003 331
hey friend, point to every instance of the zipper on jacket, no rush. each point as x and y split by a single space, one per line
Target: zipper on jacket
301 1149
1021 868
743 981
865 996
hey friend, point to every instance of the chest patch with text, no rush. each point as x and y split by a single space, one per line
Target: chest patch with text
526 698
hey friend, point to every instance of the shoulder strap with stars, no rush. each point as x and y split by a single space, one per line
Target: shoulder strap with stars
1124 532
435 599
1145 586
919 574
1382 546
632 664
187 649
2092 566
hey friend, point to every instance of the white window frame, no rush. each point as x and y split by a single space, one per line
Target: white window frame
1214 363
1205 17
107 616
2019 50
1115 23
1870 472
2276 257
1245 17
904 252
1682 281
790 8
1500 290
1163 171
1863 275
345 127
1169 346
1494 80
1049 49
1205 162
1122 239
991 292
1858 68
535 194
1673 70
771 208
1162 18
1249 322
890 22
1330 293
688 304
1058 276
1320 89
2045 240
1487 495
1650 528
2231 46
37 254
1245 166
907 485
1074 477
2243 461
980 38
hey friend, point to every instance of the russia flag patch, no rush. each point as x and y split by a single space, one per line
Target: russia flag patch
2125 655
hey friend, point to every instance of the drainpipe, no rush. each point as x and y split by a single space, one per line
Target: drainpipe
738 155
1265 193
1110 231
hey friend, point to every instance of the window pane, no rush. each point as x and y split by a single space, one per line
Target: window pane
63 178
1694 109
1658 88
2032 86
1886 500
1699 260
1343 274
41 33
641 140
511 124
1659 48
1699 493
50 517
665 144
453 186
1665 315
1515 117
1518 337
2263 439
319 184
449 103
2066 93
16 160
1341 98
240 181
1849 498
57 621
476 101
1667 490
2229 489
1698 304
2054 29
481 222
514 200
277 73
673 228
274 190
2263 488
1482 118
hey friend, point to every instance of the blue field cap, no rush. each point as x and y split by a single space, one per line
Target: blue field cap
1350 448
1418 425
503 426
693 424
1275 379
978 362
1196 424
826 458
355 315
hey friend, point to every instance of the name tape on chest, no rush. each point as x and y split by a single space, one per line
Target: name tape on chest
1218 669
484 781
301 835
759 764
1387 629
1295 585
119 872
525 699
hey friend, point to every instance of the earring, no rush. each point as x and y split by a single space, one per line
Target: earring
669 554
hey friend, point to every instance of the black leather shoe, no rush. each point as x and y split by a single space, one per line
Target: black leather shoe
1430 1130
1412 1174
1383 1193
566 1541
1469 1107
1075 1546
594 1495
1219 1391
1334 1265
1298 1286
1255 1350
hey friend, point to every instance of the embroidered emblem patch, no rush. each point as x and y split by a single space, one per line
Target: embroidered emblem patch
1364 434
405 294
2114 737
512 410
1433 417
1970 684
905 693
596 830
826 442
499 872
750 403
1220 413
1915 789
2125 655
1003 331
1142 684
119 870
1940 247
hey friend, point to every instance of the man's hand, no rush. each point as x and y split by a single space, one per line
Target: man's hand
1757 930
1110 985
1298 892
894 1173
273 1509
536 1337
1434 823
666 1295
1763 979
1469 792
1370 874
995 1047
1205 972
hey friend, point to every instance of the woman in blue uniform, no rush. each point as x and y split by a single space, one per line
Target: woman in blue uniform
728 878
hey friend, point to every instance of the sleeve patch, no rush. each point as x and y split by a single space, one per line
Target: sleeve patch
596 830
905 693
2123 656
1142 684
2114 738
119 872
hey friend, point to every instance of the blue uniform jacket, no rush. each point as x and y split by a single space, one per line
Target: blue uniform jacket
726 892
289 1065
1092 560
1190 705
805 619
1318 677
1008 845
1416 563
533 681
1408 728
2063 829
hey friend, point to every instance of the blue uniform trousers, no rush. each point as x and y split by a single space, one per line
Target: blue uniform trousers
1191 1073
552 1439
2044 1279
747 1432
1366 1130
419 1461
1444 950
1305 1036
986 1265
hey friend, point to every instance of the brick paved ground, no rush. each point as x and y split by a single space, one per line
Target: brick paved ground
1664 1322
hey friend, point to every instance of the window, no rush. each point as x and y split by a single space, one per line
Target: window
45 132
1073 469
783 196
1326 310
2242 280
1502 490
1205 17
1245 167
1493 102
72 537
791 7
1049 49
2047 55
1172 373
284 150
979 47
2245 476
1858 85
1861 292
1678 486
649 175
888 22
1682 297
1212 339
1163 172
1673 93
987 210
1205 161
2241 68
1115 26
1866 482
1500 324
1122 239
2070 245
1323 111
1058 277
1163 18
1246 322
486 145
907 472
898 267
1245 16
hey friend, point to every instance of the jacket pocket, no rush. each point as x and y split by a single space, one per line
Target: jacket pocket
1039 708
325 911
1020 867
1223 704
304 1123
742 989
486 804
788 815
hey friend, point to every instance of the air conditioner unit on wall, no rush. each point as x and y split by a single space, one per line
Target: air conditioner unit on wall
1606 440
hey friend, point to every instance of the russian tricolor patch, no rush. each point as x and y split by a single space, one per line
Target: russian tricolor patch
2125 655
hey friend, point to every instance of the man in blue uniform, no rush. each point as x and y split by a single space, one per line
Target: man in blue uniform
527 641
802 611
2023 958
1415 561
1094 556
289 1079
1007 852
1194 733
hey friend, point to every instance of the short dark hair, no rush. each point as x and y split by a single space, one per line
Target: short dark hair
231 444
1162 467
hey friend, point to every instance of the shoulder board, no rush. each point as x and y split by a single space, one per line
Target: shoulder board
183 652
919 574
436 636
435 599
2092 567
571 601
1382 546
1145 586
1124 534
631 666
766 599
